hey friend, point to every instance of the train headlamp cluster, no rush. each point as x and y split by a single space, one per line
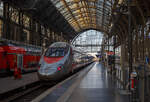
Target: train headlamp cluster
59 68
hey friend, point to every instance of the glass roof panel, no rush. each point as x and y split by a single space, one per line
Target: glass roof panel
83 14
89 41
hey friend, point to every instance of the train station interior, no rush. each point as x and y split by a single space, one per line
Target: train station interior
74 51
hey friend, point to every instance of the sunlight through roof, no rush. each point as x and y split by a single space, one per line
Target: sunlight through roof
89 41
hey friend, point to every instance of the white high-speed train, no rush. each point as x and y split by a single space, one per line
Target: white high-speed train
60 59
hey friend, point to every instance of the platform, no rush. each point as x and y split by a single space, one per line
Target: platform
97 86
90 85
9 83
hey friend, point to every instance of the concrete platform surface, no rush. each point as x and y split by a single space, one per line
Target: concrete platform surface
97 86
9 83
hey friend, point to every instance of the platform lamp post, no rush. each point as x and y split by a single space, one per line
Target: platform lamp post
129 44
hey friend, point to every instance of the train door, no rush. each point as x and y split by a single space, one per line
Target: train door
20 61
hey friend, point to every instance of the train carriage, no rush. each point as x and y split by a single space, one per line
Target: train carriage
14 55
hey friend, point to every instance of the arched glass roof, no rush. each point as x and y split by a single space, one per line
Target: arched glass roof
72 17
86 14
89 41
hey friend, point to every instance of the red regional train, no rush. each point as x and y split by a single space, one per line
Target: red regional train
13 55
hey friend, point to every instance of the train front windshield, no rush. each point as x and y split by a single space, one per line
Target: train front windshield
55 52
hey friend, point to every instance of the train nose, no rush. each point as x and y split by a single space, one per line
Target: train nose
47 71
48 74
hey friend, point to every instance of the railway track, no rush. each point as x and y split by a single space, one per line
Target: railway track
19 93
29 95
29 92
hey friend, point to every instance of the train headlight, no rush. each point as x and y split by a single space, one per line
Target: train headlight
59 68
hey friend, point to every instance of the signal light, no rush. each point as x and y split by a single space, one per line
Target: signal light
59 68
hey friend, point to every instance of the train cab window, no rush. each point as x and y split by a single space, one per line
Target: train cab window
55 52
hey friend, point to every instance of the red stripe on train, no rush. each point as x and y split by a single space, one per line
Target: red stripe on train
52 59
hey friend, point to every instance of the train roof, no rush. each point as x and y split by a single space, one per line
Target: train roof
64 44
14 43
59 44
27 47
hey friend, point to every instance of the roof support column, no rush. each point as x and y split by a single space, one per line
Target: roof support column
51 36
129 40
142 97
123 67
6 28
114 50
61 37
39 40
20 34
32 33
108 43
